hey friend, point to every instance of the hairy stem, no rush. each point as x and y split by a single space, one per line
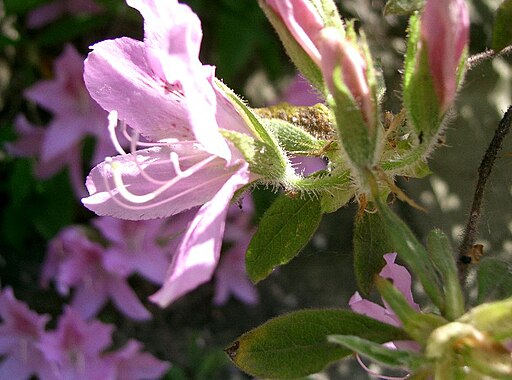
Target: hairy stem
479 58
484 171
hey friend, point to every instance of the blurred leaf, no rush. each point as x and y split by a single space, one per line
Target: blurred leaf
66 29
494 318
370 244
502 32
402 7
19 7
389 357
284 230
296 345
494 280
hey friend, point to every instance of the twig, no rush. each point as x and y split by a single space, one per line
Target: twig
484 171
479 58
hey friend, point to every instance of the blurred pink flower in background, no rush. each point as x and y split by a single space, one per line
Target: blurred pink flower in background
75 261
53 10
160 90
75 116
20 332
230 276
445 32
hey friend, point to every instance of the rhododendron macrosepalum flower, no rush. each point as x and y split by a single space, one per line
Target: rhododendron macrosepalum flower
131 364
231 277
445 32
135 247
160 90
75 116
74 261
20 332
51 11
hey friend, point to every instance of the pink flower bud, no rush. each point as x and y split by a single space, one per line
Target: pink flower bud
337 51
445 32
303 22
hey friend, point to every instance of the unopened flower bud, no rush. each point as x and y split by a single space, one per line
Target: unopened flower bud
445 33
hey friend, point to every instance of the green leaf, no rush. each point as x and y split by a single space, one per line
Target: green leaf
493 318
332 199
442 256
68 28
402 7
295 345
494 280
370 244
284 230
20 7
389 357
502 32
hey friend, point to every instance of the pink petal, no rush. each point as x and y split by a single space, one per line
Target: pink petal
194 190
197 257
400 277
126 300
371 309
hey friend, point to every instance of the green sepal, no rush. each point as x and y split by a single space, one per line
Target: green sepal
419 96
441 254
502 32
494 318
402 7
295 345
494 280
328 11
378 353
263 159
286 227
293 139
411 251
248 115
370 243
300 58
358 139
418 325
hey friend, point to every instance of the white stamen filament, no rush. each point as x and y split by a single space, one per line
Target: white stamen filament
112 125
134 198
159 203
176 163
373 373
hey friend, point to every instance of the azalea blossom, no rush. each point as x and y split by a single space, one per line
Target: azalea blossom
231 277
132 364
159 90
75 348
445 32
401 279
75 116
75 262
21 330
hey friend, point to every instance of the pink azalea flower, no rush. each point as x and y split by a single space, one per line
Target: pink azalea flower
300 93
131 364
303 22
20 331
445 32
75 116
231 277
159 89
401 279
49 12
75 348
135 247
74 261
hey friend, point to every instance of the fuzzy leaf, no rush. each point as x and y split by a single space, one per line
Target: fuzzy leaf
370 244
494 280
378 353
402 7
295 345
284 230
502 32
293 139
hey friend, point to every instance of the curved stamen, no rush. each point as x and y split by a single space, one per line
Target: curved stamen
134 198
176 163
159 203
373 373
112 125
